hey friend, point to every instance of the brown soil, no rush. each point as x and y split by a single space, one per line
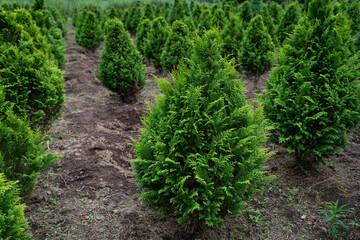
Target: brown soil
90 194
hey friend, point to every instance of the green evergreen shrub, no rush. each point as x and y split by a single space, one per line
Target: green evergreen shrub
256 6
275 11
196 13
120 68
5 6
205 21
49 28
190 24
357 41
90 33
142 34
354 15
80 19
232 35
148 12
12 219
179 13
22 150
178 46
257 50
218 19
33 81
214 7
199 156
312 96
288 21
245 13
268 22
156 40
38 5
133 19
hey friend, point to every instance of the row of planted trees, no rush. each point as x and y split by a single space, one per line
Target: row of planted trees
200 154
250 31
32 55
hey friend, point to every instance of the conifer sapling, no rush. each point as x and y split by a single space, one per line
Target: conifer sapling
200 154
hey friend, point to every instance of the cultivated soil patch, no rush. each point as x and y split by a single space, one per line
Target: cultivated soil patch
90 192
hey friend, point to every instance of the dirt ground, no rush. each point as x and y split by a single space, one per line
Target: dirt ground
90 194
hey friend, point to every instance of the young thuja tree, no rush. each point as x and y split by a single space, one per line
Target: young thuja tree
312 96
275 11
232 36
245 14
256 6
268 22
353 12
196 13
200 154
257 50
218 18
142 33
91 35
12 218
205 22
154 44
178 46
288 21
148 12
38 5
133 19
33 81
121 69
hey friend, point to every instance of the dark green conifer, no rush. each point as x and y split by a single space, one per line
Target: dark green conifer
268 22
178 46
312 96
179 13
120 68
275 11
38 5
214 8
33 81
90 33
232 35
288 22
142 34
190 24
218 18
257 50
354 16
154 44
245 13
204 21
256 6
200 154
148 12
12 218
196 13
133 19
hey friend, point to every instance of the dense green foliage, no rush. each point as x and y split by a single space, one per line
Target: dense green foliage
256 6
133 19
354 15
12 220
232 36
53 31
121 69
268 22
142 33
156 40
200 156
33 81
178 46
257 49
245 13
38 5
218 18
148 12
312 96
288 21
23 152
275 11
90 34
